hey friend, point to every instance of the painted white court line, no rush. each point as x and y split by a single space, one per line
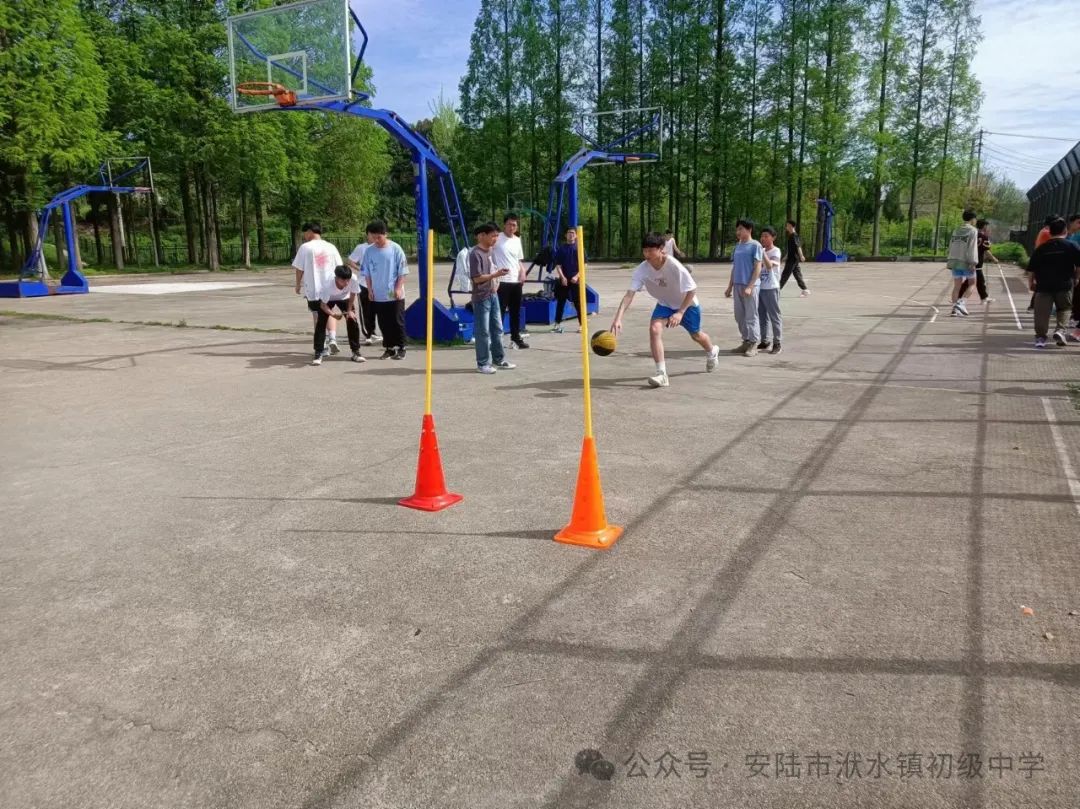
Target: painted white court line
1066 464
1012 303
174 287
936 313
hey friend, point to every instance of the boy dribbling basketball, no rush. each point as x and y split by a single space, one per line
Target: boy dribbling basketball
674 289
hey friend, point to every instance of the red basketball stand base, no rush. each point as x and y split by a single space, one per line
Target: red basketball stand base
431 493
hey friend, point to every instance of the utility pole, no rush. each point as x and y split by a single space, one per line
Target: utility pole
971 160
978 159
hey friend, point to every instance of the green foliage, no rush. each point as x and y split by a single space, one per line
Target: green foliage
1011 251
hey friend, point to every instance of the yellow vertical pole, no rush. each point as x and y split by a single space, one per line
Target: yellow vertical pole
584 330
430 316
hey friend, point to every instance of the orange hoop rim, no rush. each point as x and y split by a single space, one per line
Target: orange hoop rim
283 95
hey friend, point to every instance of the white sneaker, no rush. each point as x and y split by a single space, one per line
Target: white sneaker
805 293
332 347
1059 337
558 329
505 365
512 346
987 300
960 306
368 341
485 369
317 360
659 381
356 357
713 360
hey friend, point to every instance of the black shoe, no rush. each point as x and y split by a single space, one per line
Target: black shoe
520 343
388 354
763 345
776 349
399 354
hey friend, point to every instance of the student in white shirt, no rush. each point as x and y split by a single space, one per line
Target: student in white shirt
314 263
769 317
670 248
507 254
367 307
339 293
675 290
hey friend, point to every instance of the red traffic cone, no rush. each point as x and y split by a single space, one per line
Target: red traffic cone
588 523
431 493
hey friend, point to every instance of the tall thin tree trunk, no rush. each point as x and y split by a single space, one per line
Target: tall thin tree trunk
917 144
245 235
210 241
260 226
948 131
719 79
189 214
748 186
879 158
599 239
95 206
802 134
115 233
789 205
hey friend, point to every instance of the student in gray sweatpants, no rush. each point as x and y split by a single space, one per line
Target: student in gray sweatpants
746 261
769 295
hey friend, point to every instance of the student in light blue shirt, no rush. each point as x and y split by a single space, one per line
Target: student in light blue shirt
745 283
384 267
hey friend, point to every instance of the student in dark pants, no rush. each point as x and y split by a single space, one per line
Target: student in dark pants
507 254
794 258
567 279
385 268
1052 273
983 227
367 306
338 292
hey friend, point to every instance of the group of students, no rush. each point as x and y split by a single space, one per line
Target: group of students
367 288
969 247
1053 274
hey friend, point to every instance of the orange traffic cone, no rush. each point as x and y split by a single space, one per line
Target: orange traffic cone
588 523
431 493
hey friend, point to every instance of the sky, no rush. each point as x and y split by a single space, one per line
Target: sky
1029 81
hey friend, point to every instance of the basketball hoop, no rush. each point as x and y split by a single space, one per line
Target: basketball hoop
284 96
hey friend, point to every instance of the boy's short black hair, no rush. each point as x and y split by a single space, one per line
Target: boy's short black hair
770 230
511 217
669 232
485 227
968 215
1073 217
313 227
793 223
981 223
745 223
341 271
652 240
570 228
1058 227
1050 219
377 227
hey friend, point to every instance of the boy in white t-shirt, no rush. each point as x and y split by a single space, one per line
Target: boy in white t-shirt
338 292
507 254
367 308
314 263
676 304
769 318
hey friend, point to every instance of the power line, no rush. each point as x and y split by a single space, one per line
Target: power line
1030 137
1014 153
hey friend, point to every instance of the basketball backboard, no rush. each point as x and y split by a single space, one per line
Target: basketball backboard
638 131
304 47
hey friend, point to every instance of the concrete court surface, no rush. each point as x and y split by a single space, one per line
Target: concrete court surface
211 599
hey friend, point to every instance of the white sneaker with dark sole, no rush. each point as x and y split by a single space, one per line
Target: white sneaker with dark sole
333 348
1059 338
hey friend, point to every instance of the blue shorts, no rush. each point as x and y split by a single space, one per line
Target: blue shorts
961 271
691 319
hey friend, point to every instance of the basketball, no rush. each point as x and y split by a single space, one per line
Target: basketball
603 343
